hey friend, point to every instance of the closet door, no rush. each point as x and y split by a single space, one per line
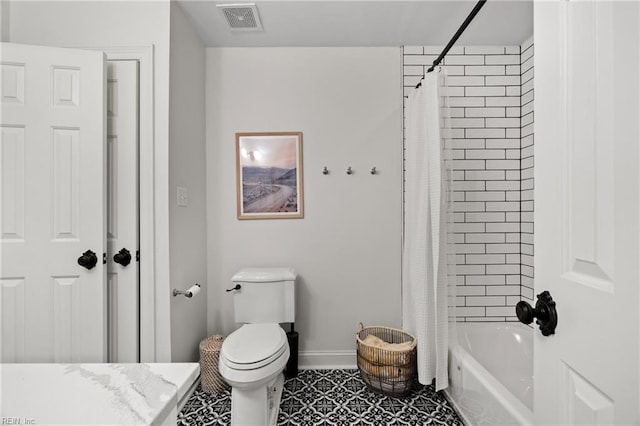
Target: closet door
52 194
122 211
587 65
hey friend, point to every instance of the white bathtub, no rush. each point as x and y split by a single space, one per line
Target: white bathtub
491 374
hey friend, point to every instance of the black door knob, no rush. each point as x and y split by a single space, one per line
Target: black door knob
545 312
123 257
88 259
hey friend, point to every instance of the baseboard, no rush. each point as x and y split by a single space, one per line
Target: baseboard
317 360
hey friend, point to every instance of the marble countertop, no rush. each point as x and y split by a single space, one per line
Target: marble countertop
94 394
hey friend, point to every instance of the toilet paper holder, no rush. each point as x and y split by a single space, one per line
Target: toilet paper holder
189 293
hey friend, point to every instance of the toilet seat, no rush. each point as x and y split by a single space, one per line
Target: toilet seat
253 356
253 346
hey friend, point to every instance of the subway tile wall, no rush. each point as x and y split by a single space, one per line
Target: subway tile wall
491 106
526 166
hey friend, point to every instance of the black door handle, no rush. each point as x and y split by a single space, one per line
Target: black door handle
88 259
545 311
123 257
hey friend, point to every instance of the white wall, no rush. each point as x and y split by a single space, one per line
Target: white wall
187 169
4 21
348 104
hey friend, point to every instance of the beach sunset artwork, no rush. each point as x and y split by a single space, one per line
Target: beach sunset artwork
269 175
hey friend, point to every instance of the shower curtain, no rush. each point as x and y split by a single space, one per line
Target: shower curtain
428 280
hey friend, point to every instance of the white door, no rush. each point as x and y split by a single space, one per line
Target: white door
122 210
53 138
587 64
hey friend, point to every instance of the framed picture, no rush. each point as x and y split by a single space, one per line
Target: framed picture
269 175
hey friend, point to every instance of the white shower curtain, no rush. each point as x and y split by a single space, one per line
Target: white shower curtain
428 308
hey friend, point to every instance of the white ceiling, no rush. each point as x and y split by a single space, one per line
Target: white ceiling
365 23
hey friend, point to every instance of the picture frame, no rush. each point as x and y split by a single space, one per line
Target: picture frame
269 178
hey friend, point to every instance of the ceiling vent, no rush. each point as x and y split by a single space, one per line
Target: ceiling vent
241 16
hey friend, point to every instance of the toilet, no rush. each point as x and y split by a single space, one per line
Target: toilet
253 357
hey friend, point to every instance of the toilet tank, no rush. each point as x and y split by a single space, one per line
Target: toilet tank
266 295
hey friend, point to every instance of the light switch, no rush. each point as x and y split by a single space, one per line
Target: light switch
183 197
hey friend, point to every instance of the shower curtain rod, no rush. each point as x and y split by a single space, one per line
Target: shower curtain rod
456 36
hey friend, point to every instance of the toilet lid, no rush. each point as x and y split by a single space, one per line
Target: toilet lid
253 345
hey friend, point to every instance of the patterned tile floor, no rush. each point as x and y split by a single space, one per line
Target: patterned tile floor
331 397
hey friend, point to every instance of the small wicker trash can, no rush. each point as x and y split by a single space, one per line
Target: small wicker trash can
210 377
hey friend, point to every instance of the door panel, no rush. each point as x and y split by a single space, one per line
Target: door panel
589 187
587 205
12 171
65 183
53 142
65 304
13 318
12 83
582 402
